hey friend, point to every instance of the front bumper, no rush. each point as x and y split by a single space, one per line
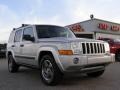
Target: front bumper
67 64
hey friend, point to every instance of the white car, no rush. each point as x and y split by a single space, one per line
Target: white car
55 50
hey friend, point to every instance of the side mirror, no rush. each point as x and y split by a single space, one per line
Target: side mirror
32 39
28 38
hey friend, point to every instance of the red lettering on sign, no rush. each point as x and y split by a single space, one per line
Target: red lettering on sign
76 28
103 26
115 28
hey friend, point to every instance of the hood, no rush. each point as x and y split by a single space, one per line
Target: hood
62 39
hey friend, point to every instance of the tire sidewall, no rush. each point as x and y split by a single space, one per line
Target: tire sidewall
14 67
56 71
10 60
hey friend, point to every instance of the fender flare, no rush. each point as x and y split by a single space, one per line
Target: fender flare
11 52
54 51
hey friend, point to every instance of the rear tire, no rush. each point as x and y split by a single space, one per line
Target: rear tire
49 71
12 66
96 74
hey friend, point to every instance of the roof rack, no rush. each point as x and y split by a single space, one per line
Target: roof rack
23 25
14 28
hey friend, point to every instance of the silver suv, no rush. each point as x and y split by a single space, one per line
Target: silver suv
55 50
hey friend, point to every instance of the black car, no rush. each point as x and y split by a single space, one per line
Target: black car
2 50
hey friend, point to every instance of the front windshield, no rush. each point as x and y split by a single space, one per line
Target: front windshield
45 31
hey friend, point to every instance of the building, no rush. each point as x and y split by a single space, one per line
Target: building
96 28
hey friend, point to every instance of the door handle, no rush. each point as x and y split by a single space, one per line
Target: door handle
21 45
13 46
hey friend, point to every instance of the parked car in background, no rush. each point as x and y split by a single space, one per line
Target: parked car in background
2 50
114 46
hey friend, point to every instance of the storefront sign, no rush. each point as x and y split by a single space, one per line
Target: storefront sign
76 28
105 26
115 28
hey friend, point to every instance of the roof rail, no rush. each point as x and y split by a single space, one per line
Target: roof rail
14 28
23 25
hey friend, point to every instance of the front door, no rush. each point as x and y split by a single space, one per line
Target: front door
28 46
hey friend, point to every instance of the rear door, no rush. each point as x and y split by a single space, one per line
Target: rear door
16 46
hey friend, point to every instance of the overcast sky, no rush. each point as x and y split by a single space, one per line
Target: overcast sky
13 13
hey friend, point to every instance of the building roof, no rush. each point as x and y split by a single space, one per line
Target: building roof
95 19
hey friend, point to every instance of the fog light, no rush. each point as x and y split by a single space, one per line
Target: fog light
76 60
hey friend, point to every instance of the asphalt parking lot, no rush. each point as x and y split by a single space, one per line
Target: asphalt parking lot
29 79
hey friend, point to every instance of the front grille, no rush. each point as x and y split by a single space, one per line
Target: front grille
93 48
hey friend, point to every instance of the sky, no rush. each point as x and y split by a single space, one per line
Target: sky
13 13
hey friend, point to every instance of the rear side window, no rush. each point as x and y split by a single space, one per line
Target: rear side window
11 37
18 34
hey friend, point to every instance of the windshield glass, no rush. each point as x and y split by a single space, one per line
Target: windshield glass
44 31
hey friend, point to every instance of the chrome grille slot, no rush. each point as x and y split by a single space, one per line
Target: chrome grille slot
83 48
93 48
88 49
103 48
98 48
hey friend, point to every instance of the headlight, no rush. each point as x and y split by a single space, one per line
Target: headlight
76 47
107 48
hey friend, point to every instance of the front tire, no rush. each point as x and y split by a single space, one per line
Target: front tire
96 74
49 71
12 66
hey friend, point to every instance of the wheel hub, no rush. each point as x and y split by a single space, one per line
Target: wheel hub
47 70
